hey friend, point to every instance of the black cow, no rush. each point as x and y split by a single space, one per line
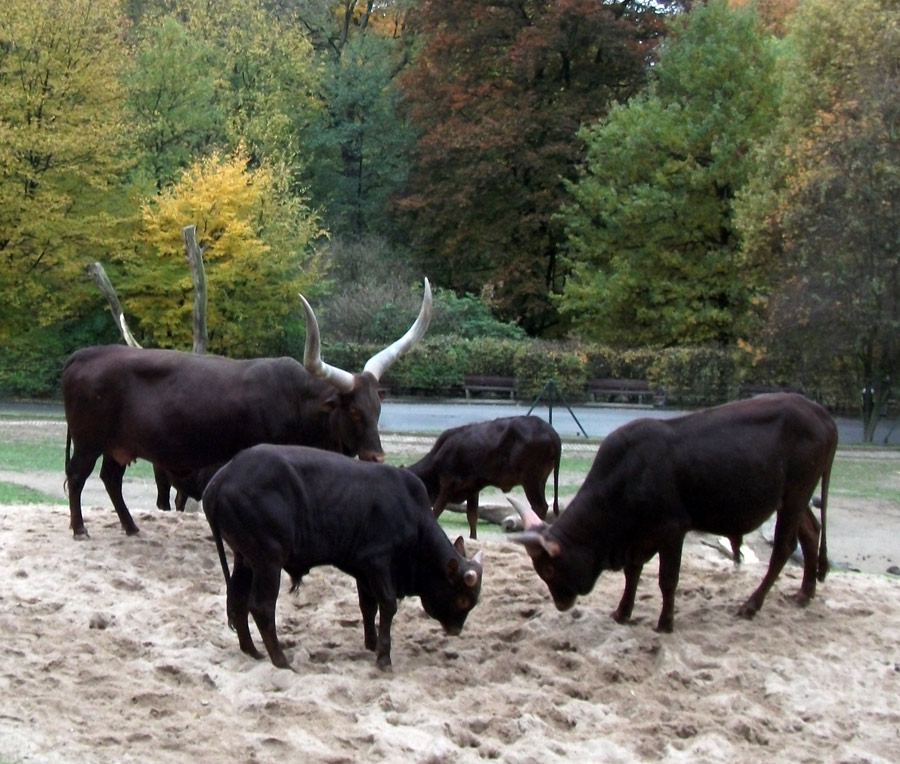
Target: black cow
295 508
723 470
185 412
506 452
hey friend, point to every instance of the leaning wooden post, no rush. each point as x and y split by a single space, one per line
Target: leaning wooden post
198 275
98 274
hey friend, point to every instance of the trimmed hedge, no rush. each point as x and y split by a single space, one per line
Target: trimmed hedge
692 376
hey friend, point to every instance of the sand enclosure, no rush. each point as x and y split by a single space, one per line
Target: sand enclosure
116 649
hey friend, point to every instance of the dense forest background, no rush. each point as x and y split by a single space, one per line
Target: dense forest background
698 177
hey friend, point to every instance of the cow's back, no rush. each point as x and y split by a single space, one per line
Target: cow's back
734 465
182 410
316 506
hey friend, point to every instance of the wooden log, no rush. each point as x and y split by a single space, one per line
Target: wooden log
198 276
97 272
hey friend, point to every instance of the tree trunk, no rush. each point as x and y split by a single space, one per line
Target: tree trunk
198 275
98 274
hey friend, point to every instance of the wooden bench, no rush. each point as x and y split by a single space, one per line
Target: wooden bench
749 390
629 389
489 384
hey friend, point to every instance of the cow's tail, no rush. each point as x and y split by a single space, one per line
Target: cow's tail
822 570
556 482
220 547
68 459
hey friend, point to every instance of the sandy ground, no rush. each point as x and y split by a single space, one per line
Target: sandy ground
116 649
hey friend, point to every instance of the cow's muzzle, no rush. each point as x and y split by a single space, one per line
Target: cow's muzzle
564 603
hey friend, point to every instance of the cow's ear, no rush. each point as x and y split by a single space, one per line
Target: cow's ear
536 544
460 546
329 402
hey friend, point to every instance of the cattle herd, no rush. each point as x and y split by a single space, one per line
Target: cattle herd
269 446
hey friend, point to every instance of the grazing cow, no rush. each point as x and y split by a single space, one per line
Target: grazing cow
723 470
185 412
295 508
506 452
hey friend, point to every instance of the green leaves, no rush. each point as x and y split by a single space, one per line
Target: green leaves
651 243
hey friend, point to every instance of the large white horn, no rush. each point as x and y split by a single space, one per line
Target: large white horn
530 519
379 363
312 355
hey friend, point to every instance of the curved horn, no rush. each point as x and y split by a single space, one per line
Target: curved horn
379 363
312 355
529 517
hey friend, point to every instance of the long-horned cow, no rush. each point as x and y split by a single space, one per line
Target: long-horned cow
722 470
186 412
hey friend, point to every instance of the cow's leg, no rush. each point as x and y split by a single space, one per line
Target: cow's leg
263 596
111 473
626 605
534 492
163 486
440 502
669 570
368 606
78 469
809 544
237 605
180 500
382 590
472 515
783 545
387 608
736 542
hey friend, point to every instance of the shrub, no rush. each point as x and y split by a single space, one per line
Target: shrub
539 361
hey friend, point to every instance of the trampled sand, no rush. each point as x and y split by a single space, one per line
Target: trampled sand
116 649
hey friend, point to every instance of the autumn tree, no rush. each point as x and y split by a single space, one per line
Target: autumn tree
250 71
258 245
62 153
654 253
822 214
172 96
498 92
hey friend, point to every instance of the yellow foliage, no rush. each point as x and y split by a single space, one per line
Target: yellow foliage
258 252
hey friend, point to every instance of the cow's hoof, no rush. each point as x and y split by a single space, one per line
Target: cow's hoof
133 531
80 535
748 610
384 663
801 598
619 617
665 628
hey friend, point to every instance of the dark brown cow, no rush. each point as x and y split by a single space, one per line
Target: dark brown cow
506 452
293 508
185 412
722 470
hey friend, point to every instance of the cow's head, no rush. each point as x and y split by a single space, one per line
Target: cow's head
449 597
565 571
355 403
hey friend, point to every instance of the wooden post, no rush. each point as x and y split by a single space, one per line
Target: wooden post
98 274
198 275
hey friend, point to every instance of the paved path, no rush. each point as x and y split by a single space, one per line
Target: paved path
435 416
